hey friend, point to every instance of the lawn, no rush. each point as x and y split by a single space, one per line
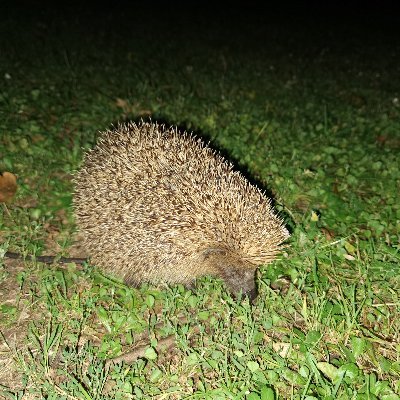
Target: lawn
306 106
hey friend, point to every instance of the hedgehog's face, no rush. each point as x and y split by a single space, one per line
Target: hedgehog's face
240 279
238 275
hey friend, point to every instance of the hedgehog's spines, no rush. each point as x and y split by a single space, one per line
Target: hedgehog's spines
150 201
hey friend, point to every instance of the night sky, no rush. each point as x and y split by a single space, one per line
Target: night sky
315 22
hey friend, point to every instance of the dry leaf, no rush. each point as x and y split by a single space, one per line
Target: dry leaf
329 234
132 109
121 103
8 186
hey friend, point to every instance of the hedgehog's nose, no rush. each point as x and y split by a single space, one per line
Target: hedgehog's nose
251 294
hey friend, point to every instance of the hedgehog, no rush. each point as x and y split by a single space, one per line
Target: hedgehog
154 204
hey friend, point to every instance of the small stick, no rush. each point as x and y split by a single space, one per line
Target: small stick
131 356
46 259
139 351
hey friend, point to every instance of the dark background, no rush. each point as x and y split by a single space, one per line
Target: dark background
335 22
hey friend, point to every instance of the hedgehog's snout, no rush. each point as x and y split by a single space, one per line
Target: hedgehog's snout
241 281
252 295
239 278
238 275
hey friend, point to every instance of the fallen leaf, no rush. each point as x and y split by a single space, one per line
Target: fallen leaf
121 103
8 186
329 234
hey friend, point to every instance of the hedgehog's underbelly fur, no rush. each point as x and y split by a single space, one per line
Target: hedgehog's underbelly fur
152 259
134 270
156 205
166 263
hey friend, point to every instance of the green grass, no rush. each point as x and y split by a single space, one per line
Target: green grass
315 121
